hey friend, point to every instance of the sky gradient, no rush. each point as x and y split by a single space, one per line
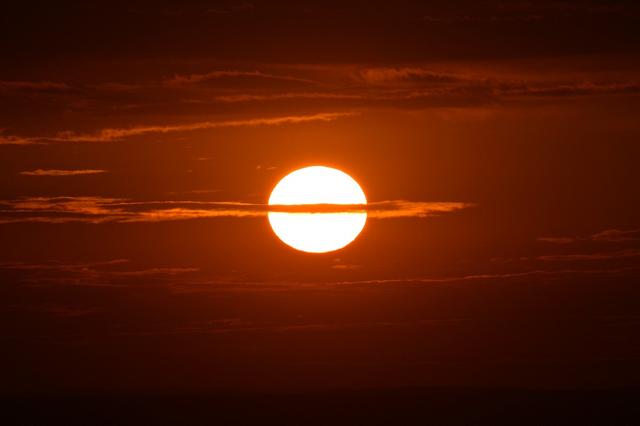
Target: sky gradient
497 143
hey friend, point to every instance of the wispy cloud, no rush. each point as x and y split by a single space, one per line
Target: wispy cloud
244 286
179 79
236 325
394 75
115 134
422 83
102 210
76 205
403 208
104 273
32 85
245 97
487 277
61 266
346 267
379 209
60 311
116 87
153 271
617 235
162 215
119 273
567 89
416 86
53 172
620 254
17 140
608 235
419 88
557 240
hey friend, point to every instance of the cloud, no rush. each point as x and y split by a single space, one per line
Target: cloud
621 254
346 267
418 82
411 97
568 89
617 235
268 168
260 287
377 210
41 172
195 191
244 97
201 78
419 88
394 75
61 311
105 273
496 276
408 87
57 266
32 85
115 134
608 235
75 205
403 208
18 140
557 240
153 271
116 87
98 210
162 215
116 273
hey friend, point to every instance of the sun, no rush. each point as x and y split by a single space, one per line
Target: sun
317 232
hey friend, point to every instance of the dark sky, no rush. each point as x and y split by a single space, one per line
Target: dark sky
504 134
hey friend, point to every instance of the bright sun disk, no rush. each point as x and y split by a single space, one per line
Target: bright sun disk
317 232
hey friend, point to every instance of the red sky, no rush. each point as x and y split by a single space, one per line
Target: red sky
140 141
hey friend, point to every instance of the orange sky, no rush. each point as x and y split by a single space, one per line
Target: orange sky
498 143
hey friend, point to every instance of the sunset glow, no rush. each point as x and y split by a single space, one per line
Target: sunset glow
231 212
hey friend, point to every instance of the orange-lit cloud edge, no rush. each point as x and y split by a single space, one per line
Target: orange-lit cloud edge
104 210
341 91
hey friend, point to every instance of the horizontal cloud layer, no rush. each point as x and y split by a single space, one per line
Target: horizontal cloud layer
608 235
325 92
115 134
42 172
102 210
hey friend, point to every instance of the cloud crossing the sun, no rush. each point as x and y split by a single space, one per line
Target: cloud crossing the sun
112 210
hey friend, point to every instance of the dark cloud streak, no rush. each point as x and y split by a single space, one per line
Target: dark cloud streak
54 172
105 210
